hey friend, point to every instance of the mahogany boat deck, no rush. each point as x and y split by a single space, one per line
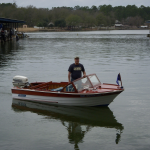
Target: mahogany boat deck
48 86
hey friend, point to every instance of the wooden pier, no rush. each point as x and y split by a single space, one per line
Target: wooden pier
9 29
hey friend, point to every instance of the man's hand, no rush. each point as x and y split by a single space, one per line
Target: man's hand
69 74
84 74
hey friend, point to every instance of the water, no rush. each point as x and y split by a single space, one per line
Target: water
46 56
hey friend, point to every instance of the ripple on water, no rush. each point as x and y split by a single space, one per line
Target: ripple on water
46 57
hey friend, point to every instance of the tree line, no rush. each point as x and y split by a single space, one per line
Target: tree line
103 15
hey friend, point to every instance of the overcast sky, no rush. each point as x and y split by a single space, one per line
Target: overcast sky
72 3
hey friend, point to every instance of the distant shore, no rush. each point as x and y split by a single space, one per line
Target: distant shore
52 30
65 30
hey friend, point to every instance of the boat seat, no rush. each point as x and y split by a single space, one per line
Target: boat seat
70 88
57 89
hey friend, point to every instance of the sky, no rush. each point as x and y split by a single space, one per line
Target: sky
71 3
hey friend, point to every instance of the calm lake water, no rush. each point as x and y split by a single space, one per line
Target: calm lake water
46 56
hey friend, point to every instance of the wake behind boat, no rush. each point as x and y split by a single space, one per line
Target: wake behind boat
85 91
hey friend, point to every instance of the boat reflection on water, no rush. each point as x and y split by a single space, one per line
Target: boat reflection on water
77 120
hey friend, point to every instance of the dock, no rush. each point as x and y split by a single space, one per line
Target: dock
9 29
148 24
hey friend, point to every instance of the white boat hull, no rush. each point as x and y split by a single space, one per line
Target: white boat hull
103 100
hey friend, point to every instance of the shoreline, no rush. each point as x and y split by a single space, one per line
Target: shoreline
63 30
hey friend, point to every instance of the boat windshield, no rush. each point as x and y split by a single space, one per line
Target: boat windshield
94 80
82 84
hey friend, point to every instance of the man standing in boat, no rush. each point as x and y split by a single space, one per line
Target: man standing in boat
75 70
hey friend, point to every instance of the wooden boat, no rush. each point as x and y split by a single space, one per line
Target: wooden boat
85 91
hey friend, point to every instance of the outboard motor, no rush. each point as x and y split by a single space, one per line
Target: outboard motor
20 81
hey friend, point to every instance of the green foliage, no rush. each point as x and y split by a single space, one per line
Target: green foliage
40 24
76 16
43 23
106 9
60 23
101 20
73 20
94 8
90 21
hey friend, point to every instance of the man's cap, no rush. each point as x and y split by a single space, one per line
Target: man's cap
76 57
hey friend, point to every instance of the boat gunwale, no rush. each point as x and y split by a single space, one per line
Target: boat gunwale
67 93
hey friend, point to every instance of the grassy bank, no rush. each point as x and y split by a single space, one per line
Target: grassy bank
27 29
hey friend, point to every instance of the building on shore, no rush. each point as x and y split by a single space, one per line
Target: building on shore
144 27
25 26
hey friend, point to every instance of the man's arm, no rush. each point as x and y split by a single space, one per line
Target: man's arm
84 73
83 70
69 75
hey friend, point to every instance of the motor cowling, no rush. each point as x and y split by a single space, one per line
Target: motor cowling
20 81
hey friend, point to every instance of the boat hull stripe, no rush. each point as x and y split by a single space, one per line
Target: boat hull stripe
50 94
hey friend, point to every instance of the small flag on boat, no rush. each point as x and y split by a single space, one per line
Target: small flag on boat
118 78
